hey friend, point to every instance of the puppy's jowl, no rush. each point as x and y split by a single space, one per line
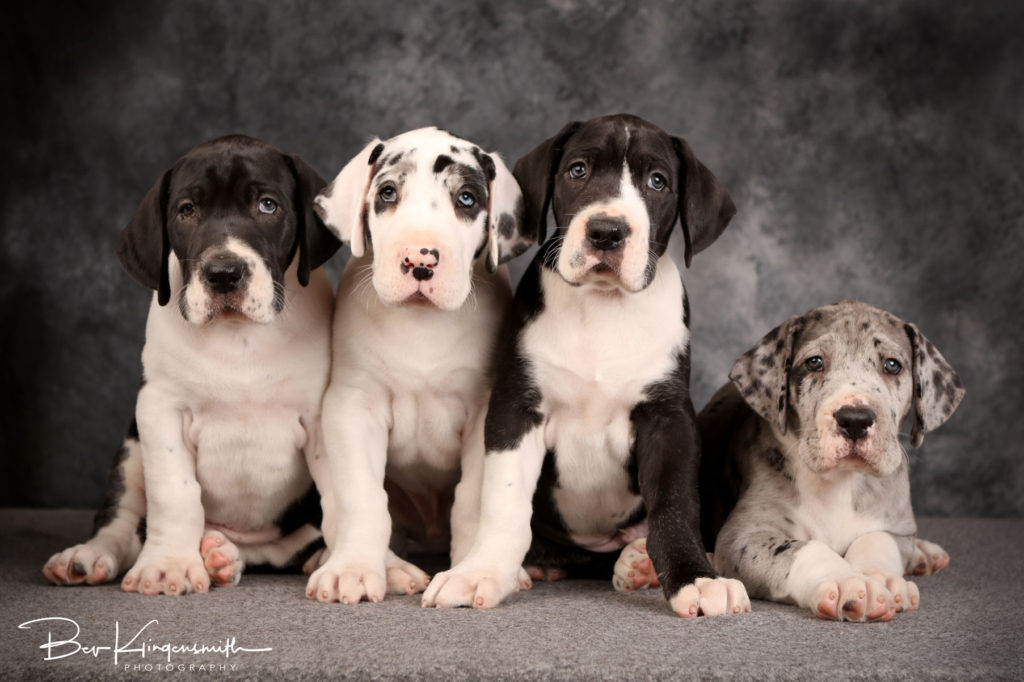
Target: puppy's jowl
430 218
804 442
590 432
213 473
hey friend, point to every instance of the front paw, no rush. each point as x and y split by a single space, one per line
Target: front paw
862 598
347 583
634 570
81 564
710 597
404 577
173 572
928 558
482 587
221 558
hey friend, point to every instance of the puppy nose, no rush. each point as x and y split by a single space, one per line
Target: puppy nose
421 262
854 422
224 273
607 234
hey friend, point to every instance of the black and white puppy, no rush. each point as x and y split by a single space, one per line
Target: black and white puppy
213 472
590 428
806 438
430 218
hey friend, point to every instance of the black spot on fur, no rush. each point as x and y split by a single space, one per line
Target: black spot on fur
783 547
375 154
442 162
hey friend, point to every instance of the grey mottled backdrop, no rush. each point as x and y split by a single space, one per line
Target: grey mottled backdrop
873 150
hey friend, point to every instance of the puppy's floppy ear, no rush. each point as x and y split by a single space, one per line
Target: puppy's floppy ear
762 373
705 207
535 173
937 387
143 246
506 237
342 204
314 241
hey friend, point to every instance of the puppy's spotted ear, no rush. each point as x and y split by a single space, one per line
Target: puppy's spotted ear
506 237
937 387
342 204
143 247
314 242
535 173
705 207
762 373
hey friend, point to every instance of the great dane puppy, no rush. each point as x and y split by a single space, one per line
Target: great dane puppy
805 437
590 432
213 472
430 218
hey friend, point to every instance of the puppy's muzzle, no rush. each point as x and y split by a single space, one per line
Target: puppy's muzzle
224 273
854 421
420 262
606 234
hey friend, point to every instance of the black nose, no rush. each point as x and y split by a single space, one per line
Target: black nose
422 273
606 234
854 422
224 273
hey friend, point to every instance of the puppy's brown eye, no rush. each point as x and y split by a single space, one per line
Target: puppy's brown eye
267 205
186 210
578 170
656 182
892 366
815 363
388 194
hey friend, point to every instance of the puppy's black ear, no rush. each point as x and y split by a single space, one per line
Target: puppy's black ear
937 387
535 174
705 207
762 373
143 246
314 241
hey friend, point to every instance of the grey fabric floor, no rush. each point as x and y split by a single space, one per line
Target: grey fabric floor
970 626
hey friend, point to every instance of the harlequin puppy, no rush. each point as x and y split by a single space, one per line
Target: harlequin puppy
430 219
590 417
213 472
806 437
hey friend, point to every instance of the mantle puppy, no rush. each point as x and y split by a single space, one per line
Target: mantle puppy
430 218
214 469
590 417
806 436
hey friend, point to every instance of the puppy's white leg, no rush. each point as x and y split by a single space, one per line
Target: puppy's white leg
115 543
169 562
491 569
466 506
355 440
878 556
824 582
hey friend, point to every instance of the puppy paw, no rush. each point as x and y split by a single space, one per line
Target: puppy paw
928 558
221 559
403 577
856 598
160 571
634 570
710 597
547 573
346 583
81 564
315 561
479 587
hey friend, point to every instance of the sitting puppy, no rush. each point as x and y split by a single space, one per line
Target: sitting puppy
806 439
430 218
590 416
213 472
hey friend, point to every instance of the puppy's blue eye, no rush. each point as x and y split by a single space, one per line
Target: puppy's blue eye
892 366
656 182
815 363
388 194
267 205
578 170
466 199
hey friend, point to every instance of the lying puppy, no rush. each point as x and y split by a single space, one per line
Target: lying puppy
430 218
590 416
213 472
806 437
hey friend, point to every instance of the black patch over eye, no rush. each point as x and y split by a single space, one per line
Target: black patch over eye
186 210
815 363
578 170
657 182
388 194
466 199
268 205
892 366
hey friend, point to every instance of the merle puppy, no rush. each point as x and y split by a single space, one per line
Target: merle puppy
590 429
